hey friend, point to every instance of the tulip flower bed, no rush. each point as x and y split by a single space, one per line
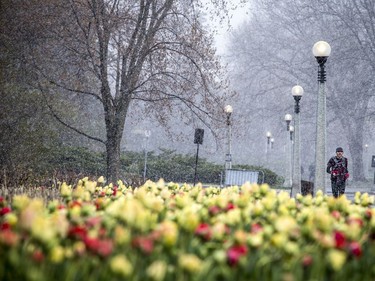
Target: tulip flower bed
179 232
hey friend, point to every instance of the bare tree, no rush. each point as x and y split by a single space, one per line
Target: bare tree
150 54
273 52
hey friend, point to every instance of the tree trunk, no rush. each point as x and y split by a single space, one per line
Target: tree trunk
113 155
355 142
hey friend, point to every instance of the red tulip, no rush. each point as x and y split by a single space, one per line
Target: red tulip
4 226
145 244
4 211
38 256
234 254
204 230
75 204
307 260
230 206
340 239
77 231
9 238
91 243
355 249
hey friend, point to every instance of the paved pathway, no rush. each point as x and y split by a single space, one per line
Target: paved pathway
352 188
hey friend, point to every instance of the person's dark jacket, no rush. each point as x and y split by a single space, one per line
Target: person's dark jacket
338 168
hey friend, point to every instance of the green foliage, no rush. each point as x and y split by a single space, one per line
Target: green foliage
33 144
181 168
78 160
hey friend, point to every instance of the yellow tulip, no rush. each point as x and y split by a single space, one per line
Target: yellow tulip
189 262
336 259
121 266
11 218
122 235
20 202
65 190
157 270
57 254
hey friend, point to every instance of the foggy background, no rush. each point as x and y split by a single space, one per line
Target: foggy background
265 50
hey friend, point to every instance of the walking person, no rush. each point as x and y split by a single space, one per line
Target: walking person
337 166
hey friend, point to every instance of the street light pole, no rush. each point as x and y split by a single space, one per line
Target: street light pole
291 130
269 135
147 135
228 157
288 153
297 92
321 51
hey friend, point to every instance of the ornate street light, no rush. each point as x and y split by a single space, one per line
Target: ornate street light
297 92
228 157
288 119
269 135
288 153
366 162
272 141
321 51
291 130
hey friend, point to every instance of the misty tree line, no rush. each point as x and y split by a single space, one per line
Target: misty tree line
271 52
72 72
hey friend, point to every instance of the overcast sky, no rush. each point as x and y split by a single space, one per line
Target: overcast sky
237 16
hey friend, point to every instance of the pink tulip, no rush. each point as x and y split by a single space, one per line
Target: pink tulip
234 254
307 260
355 249
214 210
145 244
256 227
105 247
204 230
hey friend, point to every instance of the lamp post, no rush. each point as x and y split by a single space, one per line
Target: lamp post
272 141
288 119
297 92
321 51
291 130
268 135
228 157
147 135
288 153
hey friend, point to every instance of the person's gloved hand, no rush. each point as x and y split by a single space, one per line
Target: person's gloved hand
346 176
334 173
